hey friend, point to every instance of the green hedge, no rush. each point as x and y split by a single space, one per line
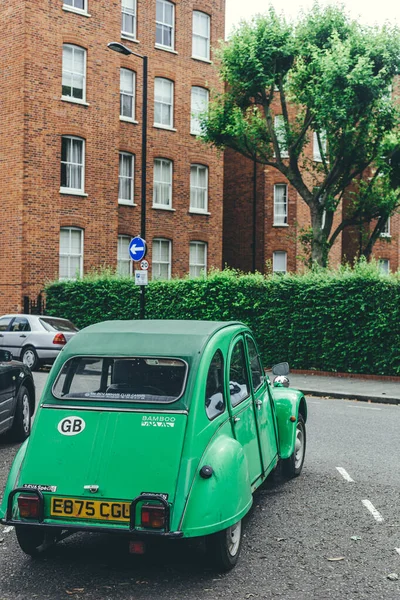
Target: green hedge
345 320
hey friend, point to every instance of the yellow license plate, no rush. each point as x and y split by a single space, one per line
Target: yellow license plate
90 509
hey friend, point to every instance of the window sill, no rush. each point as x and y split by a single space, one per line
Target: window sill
205 60
195 135
72 192
165 48
280 225
131 38
128 120
77 11
160 207
126 203
74 101
193 211
157 126
385 235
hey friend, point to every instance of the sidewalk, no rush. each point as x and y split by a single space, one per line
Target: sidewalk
372 390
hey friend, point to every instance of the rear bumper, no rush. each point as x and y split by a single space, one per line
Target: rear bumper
130 530
49 354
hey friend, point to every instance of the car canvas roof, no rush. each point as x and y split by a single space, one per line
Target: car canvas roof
145 338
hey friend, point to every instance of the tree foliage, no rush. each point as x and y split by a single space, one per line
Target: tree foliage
326 76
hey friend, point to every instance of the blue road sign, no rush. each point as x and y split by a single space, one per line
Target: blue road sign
137 248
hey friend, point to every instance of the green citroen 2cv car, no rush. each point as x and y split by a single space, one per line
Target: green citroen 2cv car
154 428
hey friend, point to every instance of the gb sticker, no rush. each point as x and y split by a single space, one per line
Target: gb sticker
71 426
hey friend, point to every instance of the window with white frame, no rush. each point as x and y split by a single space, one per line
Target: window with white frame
71 253
201 36
162 183
198 106
78 5
72 165
125 179
197 259
280 204
128 27
280 133
165 24
279 260
163 102
124 262
161 259
384 265
319 146
198 188
386 229
74 72
127 94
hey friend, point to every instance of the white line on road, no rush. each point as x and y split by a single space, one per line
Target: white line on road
8 529
377 515
345 474
363 407
397 550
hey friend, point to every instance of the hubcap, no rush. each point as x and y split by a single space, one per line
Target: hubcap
29 358
233 535
299 447
26 413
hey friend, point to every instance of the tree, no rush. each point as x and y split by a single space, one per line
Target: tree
326 78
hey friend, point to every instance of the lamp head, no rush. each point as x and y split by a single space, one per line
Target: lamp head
118 47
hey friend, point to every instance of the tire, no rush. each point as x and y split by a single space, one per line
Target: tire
21 427
30 358
224 547
292 466
34 540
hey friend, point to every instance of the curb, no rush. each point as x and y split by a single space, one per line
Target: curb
352 396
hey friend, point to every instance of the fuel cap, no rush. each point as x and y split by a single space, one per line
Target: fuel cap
206 472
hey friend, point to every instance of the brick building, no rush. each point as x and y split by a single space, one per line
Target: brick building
70 139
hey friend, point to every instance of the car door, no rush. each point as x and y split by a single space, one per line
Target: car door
7 395
15 336
264 409
4 324
244 421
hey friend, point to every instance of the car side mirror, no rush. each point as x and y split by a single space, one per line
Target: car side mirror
281 369
5 356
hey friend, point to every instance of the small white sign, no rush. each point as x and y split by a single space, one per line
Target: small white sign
144 265
71 426
141 278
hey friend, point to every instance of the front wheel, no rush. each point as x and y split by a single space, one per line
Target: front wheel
21 426
224 547
293 465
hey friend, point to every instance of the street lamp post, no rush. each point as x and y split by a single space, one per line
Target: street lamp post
118 47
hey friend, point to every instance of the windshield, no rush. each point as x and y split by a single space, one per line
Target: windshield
122 379
52 324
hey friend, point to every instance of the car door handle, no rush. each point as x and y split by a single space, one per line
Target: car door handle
1 335
236 419
23 335
259 404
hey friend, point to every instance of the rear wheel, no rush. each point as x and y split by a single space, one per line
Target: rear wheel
293 465
21 426
34 540
30 358
224 547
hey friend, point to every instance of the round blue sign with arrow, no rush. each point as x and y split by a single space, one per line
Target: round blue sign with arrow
137 248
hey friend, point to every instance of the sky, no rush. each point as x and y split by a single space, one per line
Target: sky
370 12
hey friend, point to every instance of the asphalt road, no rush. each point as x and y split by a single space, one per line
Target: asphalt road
333 533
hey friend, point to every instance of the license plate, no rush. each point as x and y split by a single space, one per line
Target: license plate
100 510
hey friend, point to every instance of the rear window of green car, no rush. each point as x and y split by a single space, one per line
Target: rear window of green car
134 379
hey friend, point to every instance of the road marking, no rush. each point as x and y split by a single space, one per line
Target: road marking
397 550
377 515
345 474
8 529
363 407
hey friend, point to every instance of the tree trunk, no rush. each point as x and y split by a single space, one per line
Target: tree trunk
319 254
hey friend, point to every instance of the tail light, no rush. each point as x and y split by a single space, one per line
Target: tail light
59 338
28 507
153 516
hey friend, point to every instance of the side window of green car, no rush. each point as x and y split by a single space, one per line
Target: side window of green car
215 401
239 388
257 375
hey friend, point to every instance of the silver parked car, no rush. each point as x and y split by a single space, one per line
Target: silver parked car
34 339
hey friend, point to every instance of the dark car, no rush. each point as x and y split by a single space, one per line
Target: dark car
35 339
17 397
